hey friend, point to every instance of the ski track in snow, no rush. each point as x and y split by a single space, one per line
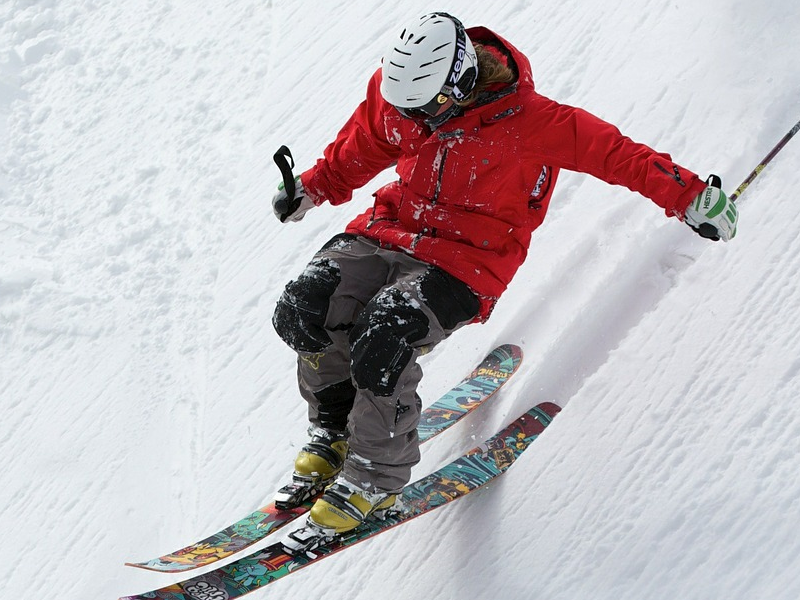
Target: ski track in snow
147 401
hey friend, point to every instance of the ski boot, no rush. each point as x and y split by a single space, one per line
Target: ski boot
316 466
342 508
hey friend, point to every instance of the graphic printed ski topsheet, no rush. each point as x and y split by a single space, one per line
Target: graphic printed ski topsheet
462 476
484 381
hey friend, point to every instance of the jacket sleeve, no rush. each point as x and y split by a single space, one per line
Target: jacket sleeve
574 139
360 151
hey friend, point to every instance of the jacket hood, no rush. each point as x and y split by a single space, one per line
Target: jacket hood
515 59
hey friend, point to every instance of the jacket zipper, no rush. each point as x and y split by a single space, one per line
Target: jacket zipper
436 191
676 174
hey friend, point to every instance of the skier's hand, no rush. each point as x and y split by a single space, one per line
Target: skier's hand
291 209
712 215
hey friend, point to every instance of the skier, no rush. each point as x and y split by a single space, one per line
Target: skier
477 151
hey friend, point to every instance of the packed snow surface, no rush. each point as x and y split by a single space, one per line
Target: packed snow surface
147 402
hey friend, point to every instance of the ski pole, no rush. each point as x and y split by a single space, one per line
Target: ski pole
765 161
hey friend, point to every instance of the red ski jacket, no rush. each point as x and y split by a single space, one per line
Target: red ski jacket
470 193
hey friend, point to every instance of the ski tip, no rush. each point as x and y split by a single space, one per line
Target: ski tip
144 566
165 567
512 350
507 355
544 413
551 408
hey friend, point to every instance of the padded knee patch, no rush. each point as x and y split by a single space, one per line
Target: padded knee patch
299 317
381 339
450 299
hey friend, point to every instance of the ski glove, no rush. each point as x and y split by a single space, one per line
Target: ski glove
293 209
712 215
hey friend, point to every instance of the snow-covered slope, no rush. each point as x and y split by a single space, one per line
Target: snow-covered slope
146 400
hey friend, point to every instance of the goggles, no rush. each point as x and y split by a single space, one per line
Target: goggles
432 109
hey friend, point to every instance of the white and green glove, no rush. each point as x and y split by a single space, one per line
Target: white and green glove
294 208
712 215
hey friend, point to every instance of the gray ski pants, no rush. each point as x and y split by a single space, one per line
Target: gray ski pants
359 317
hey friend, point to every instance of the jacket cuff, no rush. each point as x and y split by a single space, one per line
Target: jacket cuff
312 191
683 201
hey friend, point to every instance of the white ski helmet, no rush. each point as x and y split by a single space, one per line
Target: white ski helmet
430 62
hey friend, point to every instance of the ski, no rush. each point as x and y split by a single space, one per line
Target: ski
464 475
482 383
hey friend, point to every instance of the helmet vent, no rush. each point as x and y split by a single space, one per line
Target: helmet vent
420 40
428 64
440 47
401 52
421 77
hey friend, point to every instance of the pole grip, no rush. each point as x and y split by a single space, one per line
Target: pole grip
283 159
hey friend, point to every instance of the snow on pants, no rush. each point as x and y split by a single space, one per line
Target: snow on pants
359 317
